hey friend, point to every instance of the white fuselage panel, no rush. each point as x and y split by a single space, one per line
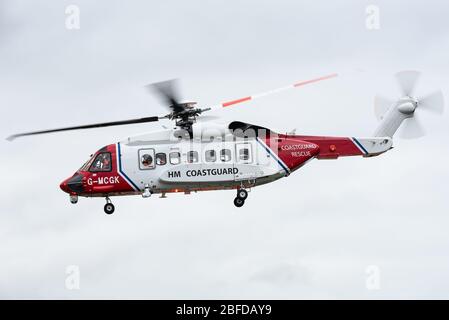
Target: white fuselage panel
195 164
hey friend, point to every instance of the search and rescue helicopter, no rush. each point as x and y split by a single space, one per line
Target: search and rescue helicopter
197 156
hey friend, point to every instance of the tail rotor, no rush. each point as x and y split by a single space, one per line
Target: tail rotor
407 81
392 113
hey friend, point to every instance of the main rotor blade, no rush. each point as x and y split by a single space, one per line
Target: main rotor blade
433 102
407 81
263 94
167 90
88 126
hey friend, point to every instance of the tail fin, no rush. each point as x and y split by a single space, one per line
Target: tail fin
393 118
392 114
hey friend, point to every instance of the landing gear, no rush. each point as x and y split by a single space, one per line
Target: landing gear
238 202
147 192
109 207
242 194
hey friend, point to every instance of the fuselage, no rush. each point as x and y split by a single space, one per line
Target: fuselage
210 157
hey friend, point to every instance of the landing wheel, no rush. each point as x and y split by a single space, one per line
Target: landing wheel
238 202
109 208
242 194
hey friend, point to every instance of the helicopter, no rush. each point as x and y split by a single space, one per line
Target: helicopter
197 156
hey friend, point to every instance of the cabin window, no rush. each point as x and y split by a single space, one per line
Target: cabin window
101 163
225 155
192 157
243 151
211 156
146 159
175 157
244 154
161 159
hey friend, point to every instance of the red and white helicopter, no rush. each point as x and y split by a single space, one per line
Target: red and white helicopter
196 156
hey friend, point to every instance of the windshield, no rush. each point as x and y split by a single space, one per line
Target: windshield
101 163
86 165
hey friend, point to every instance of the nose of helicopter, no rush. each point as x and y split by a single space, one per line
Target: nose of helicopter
64 186
72 184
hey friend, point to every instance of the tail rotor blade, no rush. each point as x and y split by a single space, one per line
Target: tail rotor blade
412 128
407 81
381 106
433 102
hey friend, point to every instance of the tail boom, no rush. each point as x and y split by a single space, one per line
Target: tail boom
335 147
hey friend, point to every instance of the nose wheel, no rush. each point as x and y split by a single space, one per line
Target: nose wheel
242 194
109 207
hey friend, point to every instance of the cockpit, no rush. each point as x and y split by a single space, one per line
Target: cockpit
101 162
99 166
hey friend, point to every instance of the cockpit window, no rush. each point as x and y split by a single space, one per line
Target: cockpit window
101 163
86 164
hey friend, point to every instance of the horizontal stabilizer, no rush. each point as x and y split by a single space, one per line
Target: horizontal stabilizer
373 146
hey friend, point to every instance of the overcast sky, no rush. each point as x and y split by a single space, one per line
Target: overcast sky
319 233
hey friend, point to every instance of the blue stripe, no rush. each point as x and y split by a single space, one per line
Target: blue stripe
360 145
271 154
119 155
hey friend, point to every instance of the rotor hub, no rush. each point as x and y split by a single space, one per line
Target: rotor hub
407 105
